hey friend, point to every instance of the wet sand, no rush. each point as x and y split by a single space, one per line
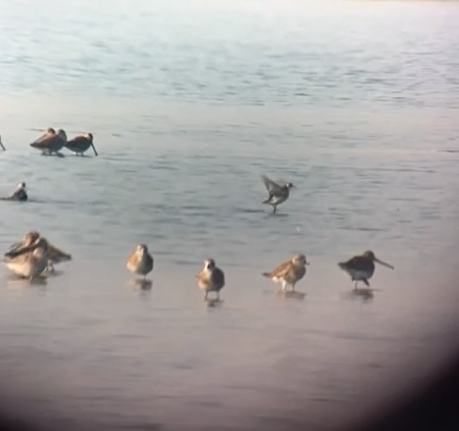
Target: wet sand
94 342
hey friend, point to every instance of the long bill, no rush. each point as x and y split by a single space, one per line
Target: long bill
94 148
387 265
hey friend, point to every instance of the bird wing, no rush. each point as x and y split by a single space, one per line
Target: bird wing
281 269
218 277
78 141
46 140
19 250
57 255
271 185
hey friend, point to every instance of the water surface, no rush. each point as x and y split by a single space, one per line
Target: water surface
190 102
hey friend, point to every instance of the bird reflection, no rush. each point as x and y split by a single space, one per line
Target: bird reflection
289 294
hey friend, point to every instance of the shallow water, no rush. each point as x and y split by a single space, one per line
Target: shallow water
190 102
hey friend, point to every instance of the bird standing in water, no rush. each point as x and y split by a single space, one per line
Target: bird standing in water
31 262
54 254
81 143
289 272
51 142
140 261
277 193
211 278
362 267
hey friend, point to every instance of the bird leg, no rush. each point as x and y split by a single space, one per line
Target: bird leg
293 287
284 286
274 209
205 296
218 296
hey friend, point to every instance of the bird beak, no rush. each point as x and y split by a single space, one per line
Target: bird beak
94 148
387 265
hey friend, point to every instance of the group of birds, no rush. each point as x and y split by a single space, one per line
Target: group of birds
52 142
35 257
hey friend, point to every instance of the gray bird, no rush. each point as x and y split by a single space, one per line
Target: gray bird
277 193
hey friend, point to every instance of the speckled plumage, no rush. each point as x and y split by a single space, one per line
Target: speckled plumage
211 278
140 261
290 272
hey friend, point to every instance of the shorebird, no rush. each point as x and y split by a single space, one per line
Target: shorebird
289 272
211 278
31 262
54 254
362 267
80 144
1 144
277 193
51 142
140 261
20 194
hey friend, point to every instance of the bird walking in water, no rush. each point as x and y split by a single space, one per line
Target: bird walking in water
362 267
31 262
277 193
20 194
211 278
140 261
289 273
51 142
1 144
54 254
81 143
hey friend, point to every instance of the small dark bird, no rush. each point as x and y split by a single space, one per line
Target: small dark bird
211 278
277 193
362 268
20 194
80 144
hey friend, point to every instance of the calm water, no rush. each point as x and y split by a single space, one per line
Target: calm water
356 103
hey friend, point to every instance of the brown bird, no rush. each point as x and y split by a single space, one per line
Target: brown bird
140 261
81 143
289 272
277 193
51 142
211 278
54 254
31 262
362 268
